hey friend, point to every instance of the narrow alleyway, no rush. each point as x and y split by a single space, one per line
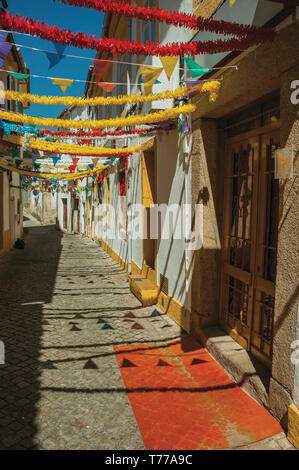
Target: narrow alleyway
88 368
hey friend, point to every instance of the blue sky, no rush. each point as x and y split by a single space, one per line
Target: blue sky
77 19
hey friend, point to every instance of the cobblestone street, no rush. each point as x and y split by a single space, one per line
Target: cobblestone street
88 368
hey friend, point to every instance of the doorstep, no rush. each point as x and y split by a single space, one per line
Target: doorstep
145 291
247 372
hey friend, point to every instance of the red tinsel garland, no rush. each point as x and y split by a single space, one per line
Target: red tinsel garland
85 142
170 17
113 46
98 133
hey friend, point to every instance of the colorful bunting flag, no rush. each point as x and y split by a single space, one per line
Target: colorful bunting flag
4 47
62 82
60 47
53 58
75 161
195 69
169 63
15 152
108 87
232 2
95 161
19 76
55 160
91 166
194 87
149 76
100 67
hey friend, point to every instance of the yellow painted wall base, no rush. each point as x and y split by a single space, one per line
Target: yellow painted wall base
149 273
293 425
7 240
175 310
115 256
144 290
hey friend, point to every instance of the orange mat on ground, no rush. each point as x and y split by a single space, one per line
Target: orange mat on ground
183 400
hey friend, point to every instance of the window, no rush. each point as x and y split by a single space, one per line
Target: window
256 115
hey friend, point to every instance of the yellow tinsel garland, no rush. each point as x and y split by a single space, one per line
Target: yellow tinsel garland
62 176
101 124
59 147
212 87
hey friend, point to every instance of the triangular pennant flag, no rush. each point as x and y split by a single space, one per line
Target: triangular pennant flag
195 69
15 152
149 76
53 59
91 166
95 161
62 82
4 47
100 67
19 76
127 363
55 160
108 87
232 2
75 161
169 64
90 365
72 168
162 363
60 48
157 82
194 87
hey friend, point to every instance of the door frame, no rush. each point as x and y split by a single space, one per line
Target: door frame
255 136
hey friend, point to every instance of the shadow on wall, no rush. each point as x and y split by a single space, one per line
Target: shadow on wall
27 280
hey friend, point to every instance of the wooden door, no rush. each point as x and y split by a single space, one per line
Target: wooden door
1 210
148 200
64 202
249 243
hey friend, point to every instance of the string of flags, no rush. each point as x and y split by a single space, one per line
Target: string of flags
27 139
159 116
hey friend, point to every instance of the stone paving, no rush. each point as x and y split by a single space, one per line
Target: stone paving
64 307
